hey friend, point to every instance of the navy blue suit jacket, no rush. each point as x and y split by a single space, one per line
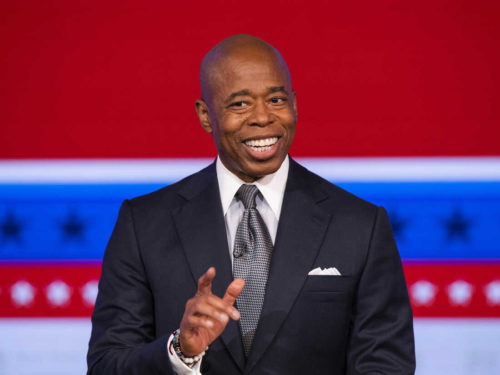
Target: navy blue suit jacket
357 323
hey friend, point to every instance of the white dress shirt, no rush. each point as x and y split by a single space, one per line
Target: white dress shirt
272 188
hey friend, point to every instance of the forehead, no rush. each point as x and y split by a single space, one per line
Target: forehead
251 71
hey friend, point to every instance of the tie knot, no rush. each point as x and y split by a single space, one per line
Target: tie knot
246 194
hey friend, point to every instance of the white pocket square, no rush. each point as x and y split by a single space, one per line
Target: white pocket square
332 271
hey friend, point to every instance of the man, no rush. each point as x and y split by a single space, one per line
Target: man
239 275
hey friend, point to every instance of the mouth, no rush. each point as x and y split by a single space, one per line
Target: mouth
261 145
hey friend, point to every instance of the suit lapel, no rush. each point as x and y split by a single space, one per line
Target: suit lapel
300 233
201 227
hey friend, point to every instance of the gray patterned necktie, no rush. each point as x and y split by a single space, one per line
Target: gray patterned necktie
252 255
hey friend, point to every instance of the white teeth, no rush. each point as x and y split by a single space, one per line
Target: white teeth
260 149
262 144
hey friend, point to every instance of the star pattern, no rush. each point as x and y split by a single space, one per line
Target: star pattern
80 231
398 224
58 293
11 228
423 292
457 227
89 292
460 292
22 293
73 228
62 293
492 291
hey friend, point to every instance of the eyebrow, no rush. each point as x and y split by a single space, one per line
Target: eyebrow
274 89
246 92
243 92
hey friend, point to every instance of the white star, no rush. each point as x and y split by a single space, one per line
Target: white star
89 292
492 291
423 292
58 293
460 292
22 293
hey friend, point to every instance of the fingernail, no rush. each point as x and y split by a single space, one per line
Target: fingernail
235 314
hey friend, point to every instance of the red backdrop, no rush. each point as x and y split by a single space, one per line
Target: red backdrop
373 78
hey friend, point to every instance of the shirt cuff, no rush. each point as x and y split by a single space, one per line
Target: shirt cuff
179 367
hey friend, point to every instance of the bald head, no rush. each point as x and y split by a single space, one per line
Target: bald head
242 47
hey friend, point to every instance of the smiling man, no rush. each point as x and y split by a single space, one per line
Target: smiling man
248 105
309 280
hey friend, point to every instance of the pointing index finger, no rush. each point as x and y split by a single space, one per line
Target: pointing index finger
205 282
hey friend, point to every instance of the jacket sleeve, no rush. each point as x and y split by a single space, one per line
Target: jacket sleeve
123 329
382 339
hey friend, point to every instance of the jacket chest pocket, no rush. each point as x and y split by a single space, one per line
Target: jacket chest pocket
329 284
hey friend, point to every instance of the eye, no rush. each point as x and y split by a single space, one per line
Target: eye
238 104
278 100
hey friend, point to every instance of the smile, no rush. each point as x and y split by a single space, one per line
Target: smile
261 145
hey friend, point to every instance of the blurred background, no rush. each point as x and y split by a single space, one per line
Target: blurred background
398 102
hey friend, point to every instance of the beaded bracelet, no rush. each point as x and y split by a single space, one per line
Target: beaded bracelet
176 344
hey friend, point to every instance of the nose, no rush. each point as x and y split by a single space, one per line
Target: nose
261 115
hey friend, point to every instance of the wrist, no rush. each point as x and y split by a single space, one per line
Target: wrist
189 360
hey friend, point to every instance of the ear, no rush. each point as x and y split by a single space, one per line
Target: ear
202 111
294 103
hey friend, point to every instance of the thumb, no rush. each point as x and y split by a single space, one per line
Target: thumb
233 291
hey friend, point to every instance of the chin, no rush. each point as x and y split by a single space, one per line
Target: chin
263 169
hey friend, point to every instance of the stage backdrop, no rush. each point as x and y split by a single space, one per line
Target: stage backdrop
398 102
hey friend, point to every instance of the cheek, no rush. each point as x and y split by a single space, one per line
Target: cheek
289 125
287 117
228 139
230 128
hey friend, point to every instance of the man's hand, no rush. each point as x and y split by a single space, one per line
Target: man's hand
206 315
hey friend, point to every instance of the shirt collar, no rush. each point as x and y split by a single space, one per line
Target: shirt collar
272 186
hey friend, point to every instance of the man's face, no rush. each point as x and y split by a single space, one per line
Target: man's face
251 114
